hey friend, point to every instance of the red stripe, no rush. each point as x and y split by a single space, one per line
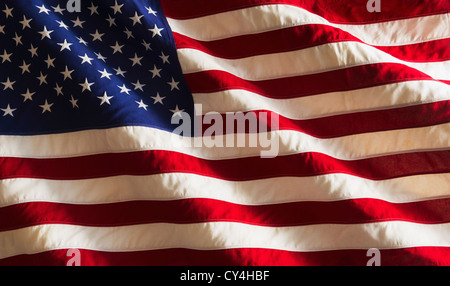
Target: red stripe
306 36
429 51
337 11
208 210
420 115
416 256
305 85
156 162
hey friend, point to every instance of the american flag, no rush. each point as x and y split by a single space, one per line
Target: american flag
92 168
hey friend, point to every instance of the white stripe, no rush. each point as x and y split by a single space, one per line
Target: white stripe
327 104
318 59
272 17
174 186
126 139
223 235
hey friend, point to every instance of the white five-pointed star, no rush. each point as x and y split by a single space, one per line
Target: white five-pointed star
18 40
136 18
136 60
156 31
105 74
151 11
50 61
67 73
43 9
164 58
81 41
58 90
42 79
8 11
25 23
25 67
100 57
117 48
97 36
111 21
8 84
33 51
117 8
74 102
93 9
5 57
65 45
142 104
155 71
2 29
177 111
158 98
138 85
120 72
46 107
86 59
86 85
28 95
129 33
78 23
173 84
58 9
105 98
124 89
9 111
146 45
46 33
62 25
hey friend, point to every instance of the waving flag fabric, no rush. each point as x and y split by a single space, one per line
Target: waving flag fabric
92 166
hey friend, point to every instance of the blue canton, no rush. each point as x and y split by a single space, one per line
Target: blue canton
112 64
